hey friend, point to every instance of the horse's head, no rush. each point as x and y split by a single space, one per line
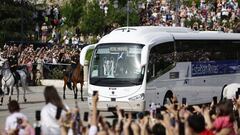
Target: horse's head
5 65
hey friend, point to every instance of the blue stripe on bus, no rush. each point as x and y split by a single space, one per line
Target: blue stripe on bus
215 67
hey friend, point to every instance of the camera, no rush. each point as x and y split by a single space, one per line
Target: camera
95 92
19 121
184 101
215 100
85 116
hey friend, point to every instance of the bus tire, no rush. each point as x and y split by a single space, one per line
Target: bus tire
168 96
223 91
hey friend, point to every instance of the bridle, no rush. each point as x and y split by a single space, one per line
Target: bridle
8 78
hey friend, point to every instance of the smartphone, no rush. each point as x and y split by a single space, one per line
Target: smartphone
94 93
19 121
85 116
190 109
162 108
58 114
215 100
237 95
175 107
184 101
238 90
126 115
112 109
38 115
122 112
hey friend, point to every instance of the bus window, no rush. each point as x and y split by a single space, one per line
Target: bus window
161 59
207 50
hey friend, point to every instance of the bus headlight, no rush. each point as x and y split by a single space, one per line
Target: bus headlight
138 97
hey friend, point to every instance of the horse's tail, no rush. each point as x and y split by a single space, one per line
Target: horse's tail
69 85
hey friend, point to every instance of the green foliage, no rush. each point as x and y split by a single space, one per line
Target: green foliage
11 15
119 15
57 73
89 55
73 10
93 19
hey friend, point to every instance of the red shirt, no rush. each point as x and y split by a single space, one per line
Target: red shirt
206 132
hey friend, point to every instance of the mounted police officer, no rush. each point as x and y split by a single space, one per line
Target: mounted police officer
13 63
74 62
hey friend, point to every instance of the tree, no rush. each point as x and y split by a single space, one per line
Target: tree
10 19
73 10
93 20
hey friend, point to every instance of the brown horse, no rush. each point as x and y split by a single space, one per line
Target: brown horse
76 77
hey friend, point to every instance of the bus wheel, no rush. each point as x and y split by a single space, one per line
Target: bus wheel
168 98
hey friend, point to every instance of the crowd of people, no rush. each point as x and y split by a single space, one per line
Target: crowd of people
220 15
55 118
36 59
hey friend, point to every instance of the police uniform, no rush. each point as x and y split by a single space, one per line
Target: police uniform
13 63
74 62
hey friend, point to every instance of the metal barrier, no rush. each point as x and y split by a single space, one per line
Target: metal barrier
54 71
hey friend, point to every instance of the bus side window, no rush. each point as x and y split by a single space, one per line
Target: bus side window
161 58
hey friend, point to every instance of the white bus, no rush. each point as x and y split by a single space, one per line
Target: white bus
136 66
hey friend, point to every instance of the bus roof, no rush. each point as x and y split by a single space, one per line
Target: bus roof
149 35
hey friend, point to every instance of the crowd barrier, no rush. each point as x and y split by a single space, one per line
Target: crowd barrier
54 71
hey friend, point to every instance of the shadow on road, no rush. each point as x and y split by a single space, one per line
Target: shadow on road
32 102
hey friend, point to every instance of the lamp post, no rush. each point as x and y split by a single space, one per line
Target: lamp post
128 10
115 5
177 11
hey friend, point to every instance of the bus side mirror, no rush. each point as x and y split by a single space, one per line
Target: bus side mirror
84 52
144 56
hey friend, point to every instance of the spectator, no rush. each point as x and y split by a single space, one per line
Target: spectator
16 122
44 29
199 126
52 111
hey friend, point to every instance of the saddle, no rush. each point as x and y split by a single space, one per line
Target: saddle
16 76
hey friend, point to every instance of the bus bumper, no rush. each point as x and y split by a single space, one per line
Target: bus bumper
131 106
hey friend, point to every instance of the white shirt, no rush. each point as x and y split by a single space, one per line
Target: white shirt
49 124
11 122
93 130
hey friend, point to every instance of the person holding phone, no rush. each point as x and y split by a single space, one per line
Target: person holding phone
16 122
52 112
94 123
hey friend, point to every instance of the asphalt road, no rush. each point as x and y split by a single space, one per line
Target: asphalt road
35 101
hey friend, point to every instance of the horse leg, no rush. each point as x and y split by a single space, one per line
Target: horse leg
2 96
17 92
9 95
1 101
3 88
24 87
75 89
82 92
12 92
64 88
24 92
7 91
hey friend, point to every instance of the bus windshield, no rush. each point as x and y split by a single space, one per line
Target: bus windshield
117 65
